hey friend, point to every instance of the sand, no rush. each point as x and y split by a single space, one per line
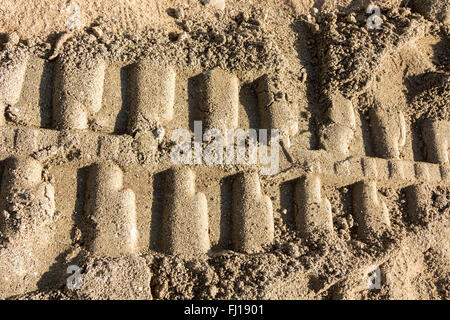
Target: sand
88 106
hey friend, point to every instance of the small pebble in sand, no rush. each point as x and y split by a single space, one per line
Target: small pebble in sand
187 25
441 202
351 18
159 134
216 4
97 31
177 13
13 39
59 44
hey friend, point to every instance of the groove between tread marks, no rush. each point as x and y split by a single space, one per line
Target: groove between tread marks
26 141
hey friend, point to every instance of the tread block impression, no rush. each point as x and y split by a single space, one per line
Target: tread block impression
219 99
339 133
77 94
388 132
313 212
26 221
185 215
113 211
274 110
12 75
153 96
252 218
23 176
370 211
417 197
436 135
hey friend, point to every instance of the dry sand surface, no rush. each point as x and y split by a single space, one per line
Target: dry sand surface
91 92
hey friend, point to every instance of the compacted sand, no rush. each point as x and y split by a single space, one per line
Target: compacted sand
91 94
